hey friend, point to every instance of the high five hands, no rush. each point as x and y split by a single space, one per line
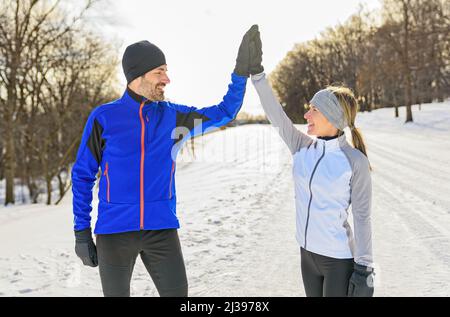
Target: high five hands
249 58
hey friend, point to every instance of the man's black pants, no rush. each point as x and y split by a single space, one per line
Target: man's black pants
160 251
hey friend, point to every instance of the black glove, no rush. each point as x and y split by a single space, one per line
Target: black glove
361 282
243 59
85 247
256 54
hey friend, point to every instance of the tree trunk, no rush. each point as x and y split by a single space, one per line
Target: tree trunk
61 185
396 107
33 189
34 192
408 93
10 161
65 191
48 181
408 79
10 153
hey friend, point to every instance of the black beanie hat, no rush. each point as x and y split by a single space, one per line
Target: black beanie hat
140 58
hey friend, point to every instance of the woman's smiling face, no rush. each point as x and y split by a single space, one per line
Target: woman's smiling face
318 124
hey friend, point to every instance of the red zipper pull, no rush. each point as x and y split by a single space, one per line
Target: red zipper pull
106 169
107 181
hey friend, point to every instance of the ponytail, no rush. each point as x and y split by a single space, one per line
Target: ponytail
350 105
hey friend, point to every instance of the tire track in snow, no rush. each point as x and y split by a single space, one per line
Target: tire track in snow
412 162
423 187
411 255
433 236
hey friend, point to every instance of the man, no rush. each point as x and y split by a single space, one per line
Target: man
134 140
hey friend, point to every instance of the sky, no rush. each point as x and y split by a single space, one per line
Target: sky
200 38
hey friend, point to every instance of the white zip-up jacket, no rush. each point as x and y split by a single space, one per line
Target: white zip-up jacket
329 176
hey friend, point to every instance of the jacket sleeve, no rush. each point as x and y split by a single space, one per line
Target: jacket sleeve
361 200
84 172
294 139
192 121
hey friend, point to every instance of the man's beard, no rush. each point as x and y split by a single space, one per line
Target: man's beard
157 94
154 93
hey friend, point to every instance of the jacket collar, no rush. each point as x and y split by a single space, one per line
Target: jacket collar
333 144
131 97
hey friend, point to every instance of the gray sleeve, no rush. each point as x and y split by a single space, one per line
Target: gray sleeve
294 139
361 201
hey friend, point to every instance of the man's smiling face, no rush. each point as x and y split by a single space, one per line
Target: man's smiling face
152 84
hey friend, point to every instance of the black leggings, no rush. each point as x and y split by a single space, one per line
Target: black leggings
324 276
160 251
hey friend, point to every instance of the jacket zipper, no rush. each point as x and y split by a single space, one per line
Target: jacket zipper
107 181
142 166
310 197
171 177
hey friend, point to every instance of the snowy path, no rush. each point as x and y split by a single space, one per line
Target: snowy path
236 206
245 244
411 202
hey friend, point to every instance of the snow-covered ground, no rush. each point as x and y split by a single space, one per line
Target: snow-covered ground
236 206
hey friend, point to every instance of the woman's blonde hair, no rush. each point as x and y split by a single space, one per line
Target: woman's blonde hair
350 105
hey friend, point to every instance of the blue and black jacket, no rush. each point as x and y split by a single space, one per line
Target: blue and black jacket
135 143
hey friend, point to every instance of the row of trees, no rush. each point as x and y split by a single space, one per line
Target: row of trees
399 56
52 72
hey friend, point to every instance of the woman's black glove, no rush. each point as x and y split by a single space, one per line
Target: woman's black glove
361 282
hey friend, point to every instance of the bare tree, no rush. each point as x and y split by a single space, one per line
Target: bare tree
52 72
397 58
25 24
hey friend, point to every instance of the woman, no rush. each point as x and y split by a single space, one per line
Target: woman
329 176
